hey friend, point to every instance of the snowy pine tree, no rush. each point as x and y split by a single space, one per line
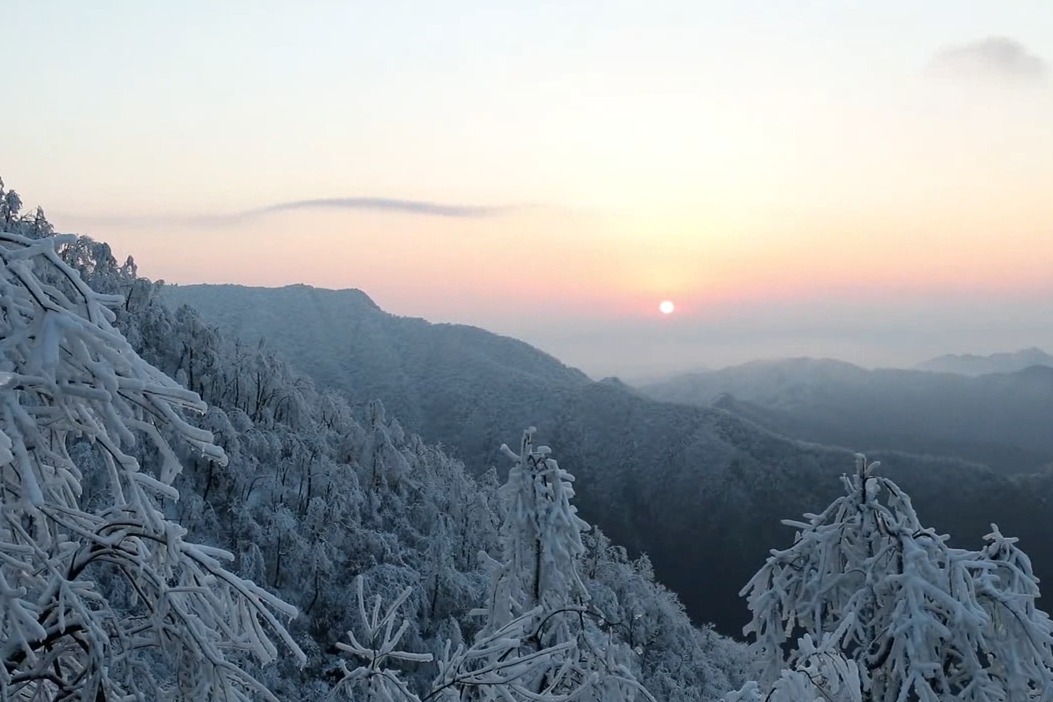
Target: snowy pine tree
919 619
540 537
537 585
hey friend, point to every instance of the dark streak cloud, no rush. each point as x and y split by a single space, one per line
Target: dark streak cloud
993 58
382 204
419 208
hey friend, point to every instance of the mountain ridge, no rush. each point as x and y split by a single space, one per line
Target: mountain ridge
700 489
974 364
998 419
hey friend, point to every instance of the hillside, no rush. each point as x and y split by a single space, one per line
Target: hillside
428 375
700 489
304 498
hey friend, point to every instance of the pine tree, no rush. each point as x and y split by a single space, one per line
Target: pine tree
540 537
536 588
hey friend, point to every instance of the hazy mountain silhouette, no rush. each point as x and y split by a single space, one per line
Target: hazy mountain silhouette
1001 419
969 364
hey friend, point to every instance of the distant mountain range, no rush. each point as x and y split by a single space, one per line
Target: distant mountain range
1001 419
969 364
700 488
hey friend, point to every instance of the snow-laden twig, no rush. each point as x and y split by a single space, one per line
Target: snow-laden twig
169 613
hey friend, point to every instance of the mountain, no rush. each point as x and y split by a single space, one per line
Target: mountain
969 364
428 375
1001 420
700 489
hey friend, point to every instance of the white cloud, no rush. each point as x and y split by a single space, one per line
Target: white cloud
992 59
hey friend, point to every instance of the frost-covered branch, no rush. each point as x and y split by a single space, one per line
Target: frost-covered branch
919 619
109 599
382 641
539 641
502 664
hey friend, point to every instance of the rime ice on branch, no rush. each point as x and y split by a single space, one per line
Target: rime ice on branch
107 599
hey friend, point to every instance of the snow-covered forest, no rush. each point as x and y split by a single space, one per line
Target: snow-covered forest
187 517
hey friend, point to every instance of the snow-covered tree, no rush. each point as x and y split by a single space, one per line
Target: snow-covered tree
540 537
540 641
821 674
536 586
466 672
375 680
919 619
101 596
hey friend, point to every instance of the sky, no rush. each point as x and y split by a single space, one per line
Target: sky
859 180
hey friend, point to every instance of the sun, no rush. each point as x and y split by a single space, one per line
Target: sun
666 307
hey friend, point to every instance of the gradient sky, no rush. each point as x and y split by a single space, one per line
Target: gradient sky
871 181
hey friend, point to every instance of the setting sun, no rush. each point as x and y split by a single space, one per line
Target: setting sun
666 307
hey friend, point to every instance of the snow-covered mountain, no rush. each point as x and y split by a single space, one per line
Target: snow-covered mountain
315 494
188 517
431 376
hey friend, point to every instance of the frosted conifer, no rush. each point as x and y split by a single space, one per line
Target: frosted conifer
921 620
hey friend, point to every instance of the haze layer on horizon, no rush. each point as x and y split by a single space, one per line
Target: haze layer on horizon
861 181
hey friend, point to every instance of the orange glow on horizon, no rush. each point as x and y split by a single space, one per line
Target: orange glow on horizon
606 267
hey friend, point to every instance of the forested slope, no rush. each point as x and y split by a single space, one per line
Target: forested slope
699 489
429 375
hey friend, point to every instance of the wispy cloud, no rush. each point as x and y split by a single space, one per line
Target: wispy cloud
383 204
419 208
994 58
